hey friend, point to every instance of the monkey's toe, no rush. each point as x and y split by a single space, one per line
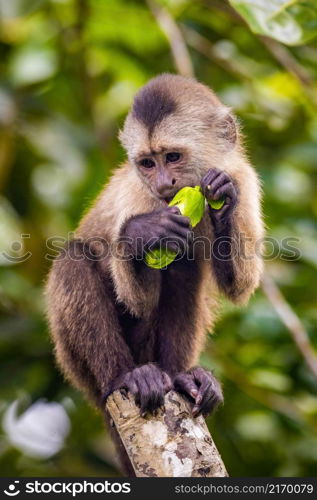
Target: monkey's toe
148 384
201 387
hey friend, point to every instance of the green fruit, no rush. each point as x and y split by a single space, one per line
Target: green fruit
216 204
159 259
191 203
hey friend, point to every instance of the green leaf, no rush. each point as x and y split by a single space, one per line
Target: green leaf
191 203
159 259
292 22
216 204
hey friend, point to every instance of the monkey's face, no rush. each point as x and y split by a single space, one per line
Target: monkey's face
176 131
177 154
165 169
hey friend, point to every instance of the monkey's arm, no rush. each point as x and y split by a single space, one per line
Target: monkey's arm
89 342
84 324
136 283
238 231
125 212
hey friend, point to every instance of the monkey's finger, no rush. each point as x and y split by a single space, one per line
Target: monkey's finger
200 375
180 235
143 403
210 176
153 243
219 181
131 386
176 234
152 399
178 244
204 394
175 247
137 400
227 190
181 220
172 233
173 210
167 383
184 383
127 382
209 405
212 403
179 231
174 240
207 182
219 214
150 389
210 387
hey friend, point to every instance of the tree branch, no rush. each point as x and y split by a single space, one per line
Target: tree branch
171 444
206 48
175 38
291 321
286 59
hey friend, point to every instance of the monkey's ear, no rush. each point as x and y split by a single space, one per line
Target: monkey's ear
226 131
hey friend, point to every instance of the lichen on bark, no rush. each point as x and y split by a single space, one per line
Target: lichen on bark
170 444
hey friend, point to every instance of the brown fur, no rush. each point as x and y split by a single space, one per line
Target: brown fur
108 316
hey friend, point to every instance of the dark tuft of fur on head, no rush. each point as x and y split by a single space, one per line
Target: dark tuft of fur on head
152 104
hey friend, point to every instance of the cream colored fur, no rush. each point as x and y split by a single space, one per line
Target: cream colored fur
195 128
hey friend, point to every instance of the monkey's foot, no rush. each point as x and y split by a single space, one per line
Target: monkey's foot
148 384
200 386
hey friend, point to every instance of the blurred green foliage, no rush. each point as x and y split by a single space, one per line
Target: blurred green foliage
69 69
291 22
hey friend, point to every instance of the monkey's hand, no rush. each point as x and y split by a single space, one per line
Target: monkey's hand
200 386
217 184
148 384
165 228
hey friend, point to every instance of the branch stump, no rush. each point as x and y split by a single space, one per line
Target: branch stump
169 444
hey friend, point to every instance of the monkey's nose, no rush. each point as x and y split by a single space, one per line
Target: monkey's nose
167 190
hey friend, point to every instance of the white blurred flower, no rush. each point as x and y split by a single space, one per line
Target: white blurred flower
31 65
40 431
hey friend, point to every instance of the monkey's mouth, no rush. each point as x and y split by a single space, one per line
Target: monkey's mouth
168 200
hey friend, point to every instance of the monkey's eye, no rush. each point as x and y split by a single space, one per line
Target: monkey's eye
147 163
172 157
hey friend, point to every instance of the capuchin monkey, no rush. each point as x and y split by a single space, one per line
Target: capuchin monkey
119 324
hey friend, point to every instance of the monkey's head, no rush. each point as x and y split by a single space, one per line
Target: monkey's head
176 131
